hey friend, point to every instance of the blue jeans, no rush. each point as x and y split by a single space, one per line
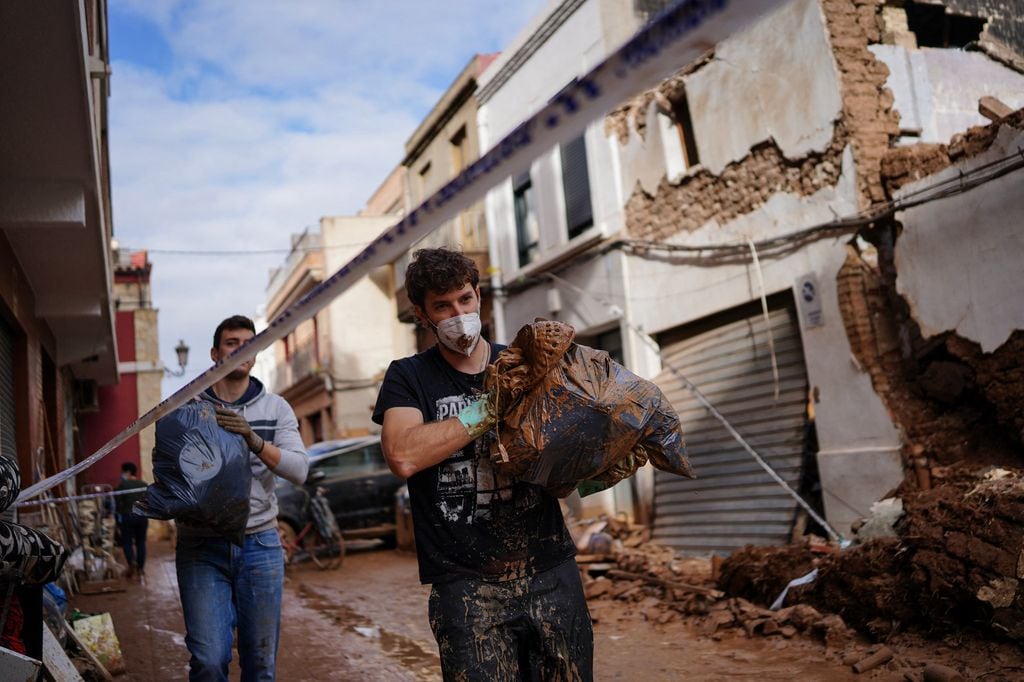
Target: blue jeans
223 586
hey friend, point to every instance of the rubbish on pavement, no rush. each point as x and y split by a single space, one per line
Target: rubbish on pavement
795 582
882 521
882 656
97 638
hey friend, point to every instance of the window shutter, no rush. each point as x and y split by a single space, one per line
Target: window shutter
579 214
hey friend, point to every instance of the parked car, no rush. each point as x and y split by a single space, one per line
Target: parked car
357 484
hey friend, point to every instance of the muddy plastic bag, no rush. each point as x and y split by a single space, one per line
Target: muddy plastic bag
569 415
202 473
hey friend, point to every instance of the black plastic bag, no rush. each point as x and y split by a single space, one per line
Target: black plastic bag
202 473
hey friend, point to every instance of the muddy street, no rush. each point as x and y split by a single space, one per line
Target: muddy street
368 620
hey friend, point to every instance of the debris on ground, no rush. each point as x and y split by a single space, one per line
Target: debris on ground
952 569
955 564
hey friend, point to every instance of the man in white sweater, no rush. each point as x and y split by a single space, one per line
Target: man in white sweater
223 586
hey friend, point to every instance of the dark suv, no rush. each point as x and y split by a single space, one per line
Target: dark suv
358 485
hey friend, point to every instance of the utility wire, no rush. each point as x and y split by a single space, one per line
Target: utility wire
941 190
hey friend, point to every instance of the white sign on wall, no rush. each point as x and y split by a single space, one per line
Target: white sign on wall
808 300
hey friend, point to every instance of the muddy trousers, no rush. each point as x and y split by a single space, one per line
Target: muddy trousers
527 629
223 586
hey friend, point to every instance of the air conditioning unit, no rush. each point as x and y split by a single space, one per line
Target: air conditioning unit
87 396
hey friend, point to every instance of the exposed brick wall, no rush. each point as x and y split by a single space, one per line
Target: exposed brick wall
868 123
867 103
741 188
904 165
951 402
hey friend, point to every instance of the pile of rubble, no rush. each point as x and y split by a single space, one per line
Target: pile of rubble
951 562
954 562
651 580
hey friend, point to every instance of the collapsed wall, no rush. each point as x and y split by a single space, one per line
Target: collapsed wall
952 401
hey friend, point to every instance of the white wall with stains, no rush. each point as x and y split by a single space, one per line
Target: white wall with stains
936 91
960 260
777 80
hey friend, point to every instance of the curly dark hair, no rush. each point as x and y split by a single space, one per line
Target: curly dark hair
438 271
230 324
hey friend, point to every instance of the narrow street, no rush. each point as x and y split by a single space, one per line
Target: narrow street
368 620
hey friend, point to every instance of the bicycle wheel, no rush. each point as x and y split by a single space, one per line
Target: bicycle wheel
325 553
289 545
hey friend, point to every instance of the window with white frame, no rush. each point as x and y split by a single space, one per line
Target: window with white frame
684 124
524 202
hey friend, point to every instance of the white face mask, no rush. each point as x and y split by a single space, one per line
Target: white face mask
460 333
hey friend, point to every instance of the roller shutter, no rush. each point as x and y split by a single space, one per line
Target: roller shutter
7 392
7 436
733 502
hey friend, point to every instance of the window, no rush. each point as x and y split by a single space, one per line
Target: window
459 157
576 184
423 182
527 228
681 114
458 142
933 26
365 460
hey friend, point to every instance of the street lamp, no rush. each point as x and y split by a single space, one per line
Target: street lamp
182 350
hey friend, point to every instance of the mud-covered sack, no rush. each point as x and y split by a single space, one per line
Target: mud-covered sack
575 415
28 555
202 473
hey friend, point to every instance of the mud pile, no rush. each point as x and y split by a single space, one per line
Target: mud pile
649 579
955 564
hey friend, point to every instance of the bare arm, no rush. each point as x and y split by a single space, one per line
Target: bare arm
411 446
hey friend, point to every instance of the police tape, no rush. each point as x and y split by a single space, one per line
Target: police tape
678 36
77 498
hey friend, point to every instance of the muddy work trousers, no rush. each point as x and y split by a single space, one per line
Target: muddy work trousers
526 629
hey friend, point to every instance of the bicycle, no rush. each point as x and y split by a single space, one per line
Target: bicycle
320 539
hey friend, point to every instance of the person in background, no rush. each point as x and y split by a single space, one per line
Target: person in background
132 527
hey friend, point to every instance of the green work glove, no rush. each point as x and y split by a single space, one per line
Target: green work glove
590 487
477 417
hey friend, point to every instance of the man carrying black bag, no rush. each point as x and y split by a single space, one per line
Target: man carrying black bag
506 601
224 586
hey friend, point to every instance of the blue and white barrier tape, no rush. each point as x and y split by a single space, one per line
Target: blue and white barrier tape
676 37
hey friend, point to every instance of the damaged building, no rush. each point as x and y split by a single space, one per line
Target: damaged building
815 224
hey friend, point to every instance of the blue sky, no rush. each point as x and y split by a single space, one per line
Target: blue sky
236 124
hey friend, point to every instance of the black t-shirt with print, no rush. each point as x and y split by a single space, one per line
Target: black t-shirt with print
469 520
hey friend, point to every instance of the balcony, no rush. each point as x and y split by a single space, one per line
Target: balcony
303 364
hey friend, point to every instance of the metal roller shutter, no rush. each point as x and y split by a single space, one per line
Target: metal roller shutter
733 502
7 391
7 436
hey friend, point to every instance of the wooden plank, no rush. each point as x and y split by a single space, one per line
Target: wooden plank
15 667
56 660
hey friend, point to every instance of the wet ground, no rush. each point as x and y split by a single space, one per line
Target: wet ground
368 621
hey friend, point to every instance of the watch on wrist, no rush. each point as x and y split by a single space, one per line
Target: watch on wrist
259 449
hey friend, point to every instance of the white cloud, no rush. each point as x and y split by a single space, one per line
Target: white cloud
271 115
